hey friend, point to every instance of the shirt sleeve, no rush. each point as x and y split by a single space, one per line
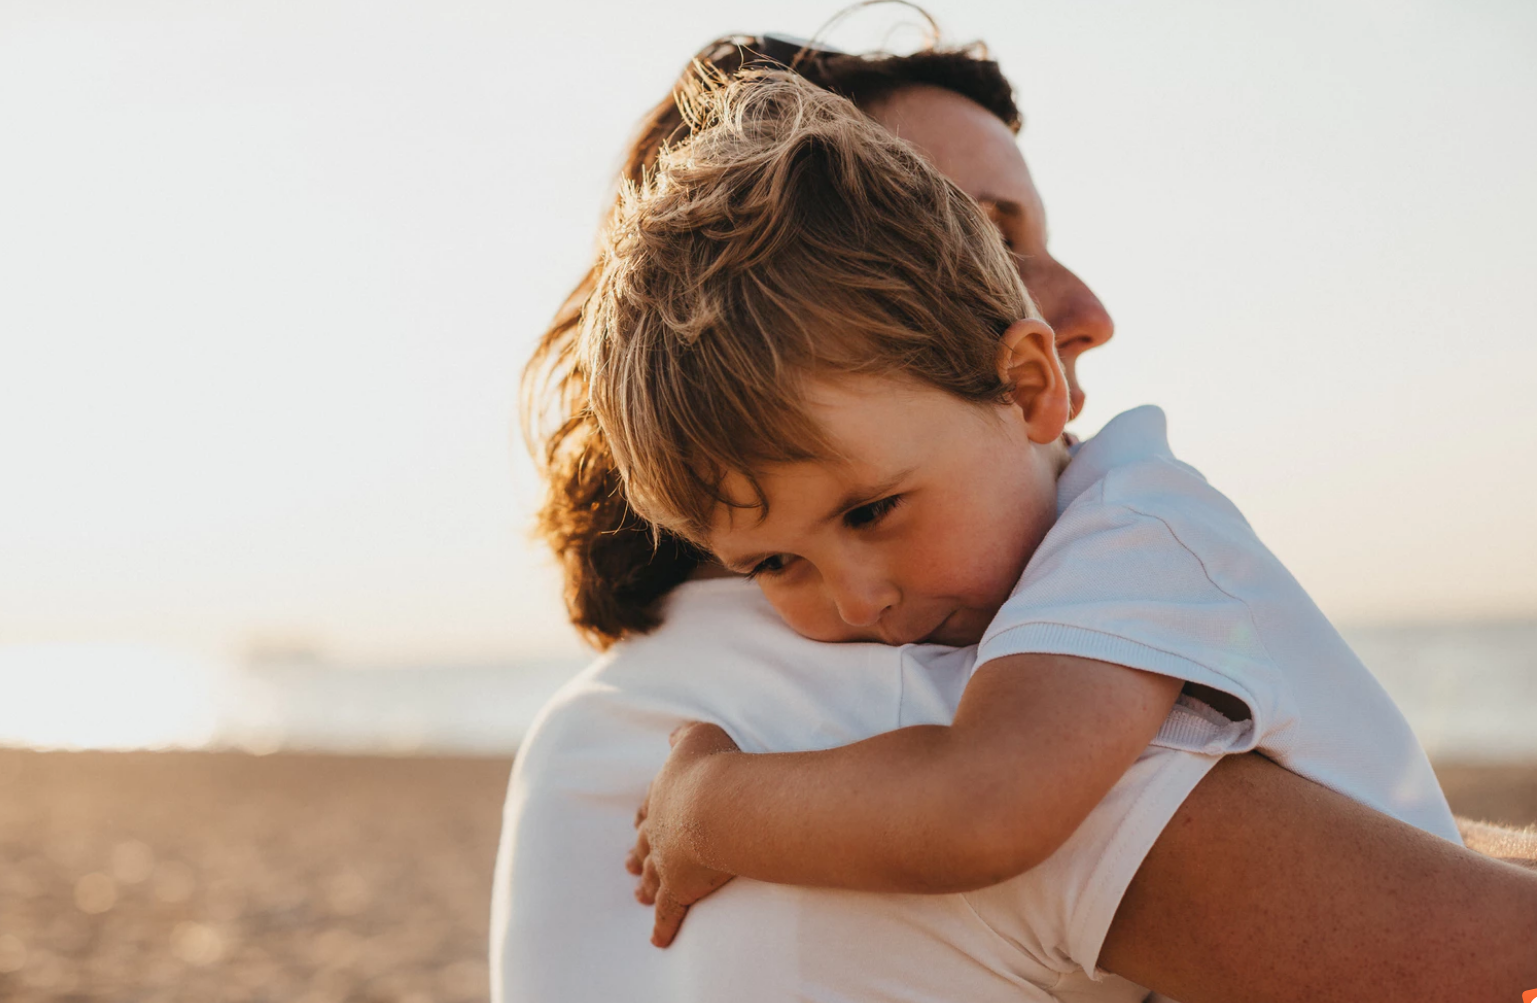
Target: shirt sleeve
1116 583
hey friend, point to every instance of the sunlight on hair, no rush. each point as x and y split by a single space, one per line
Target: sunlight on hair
745 261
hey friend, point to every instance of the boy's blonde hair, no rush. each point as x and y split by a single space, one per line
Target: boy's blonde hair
790 236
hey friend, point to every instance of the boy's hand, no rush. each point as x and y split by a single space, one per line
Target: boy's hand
671 876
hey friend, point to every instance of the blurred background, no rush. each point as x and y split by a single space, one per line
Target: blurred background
268 274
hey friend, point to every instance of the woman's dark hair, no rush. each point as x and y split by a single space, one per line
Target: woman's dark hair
617 569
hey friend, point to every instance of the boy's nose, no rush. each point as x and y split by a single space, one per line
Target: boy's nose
862 603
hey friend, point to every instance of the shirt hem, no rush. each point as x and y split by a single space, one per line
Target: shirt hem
1123 857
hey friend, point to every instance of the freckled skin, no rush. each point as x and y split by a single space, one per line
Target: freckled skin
964 551
1231 901
974 496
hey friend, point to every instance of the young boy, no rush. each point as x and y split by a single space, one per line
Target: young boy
812 355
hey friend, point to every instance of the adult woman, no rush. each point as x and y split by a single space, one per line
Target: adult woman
1203 881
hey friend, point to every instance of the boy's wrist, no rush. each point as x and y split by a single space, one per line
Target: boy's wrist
701 756
701 809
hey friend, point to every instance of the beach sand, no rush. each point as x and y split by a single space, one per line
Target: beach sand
294 879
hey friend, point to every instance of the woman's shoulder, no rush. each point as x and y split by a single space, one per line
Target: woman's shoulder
722 654
717 631
706 622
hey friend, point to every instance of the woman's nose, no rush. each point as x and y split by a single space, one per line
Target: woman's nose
1081 320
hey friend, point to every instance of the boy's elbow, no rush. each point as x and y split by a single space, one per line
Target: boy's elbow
992 844
1007 847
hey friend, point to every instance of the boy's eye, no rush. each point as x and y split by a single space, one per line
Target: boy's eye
870 513
768 566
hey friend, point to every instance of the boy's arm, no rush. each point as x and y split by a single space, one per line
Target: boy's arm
1037 741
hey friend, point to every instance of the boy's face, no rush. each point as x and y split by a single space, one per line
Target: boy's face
919 536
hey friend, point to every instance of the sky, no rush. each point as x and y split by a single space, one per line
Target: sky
270 271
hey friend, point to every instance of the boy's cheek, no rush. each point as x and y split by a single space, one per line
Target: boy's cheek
972 563
813 616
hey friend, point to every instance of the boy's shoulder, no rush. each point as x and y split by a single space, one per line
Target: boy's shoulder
1150 567
1130 466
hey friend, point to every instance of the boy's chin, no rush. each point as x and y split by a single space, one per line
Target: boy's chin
958 629
961 628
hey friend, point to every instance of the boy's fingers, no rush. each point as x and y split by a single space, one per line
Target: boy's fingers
636 859
638 853
645 806
650 882
669 917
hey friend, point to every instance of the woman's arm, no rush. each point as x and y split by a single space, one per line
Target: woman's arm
1037 742
1268 887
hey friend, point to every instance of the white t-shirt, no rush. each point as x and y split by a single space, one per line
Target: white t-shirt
565 926
1151 567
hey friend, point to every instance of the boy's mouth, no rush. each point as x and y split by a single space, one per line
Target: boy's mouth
963 626
936 635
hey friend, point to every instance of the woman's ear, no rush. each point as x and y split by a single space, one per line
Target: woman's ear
1028 364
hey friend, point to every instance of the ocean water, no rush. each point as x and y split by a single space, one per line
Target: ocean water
1469 691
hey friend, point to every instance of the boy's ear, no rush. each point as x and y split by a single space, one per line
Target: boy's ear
1028 363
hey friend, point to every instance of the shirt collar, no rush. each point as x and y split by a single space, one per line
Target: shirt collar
1139 434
